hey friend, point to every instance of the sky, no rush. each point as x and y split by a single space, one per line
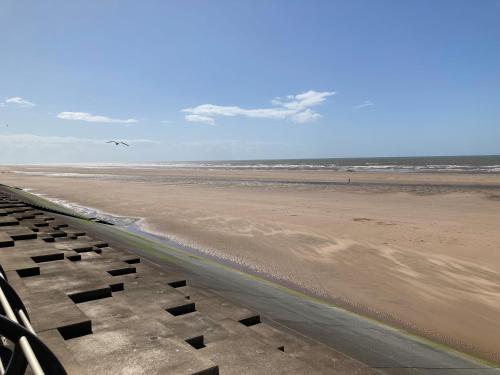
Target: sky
247 79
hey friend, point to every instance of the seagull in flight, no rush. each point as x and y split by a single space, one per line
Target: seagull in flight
118 143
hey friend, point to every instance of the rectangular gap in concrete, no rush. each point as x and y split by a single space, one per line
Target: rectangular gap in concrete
8 223
90 295
100 244
178 283
122 271
25 217
48 239
76 330
74 258
58 234
117 287
251 321
197 342
24 236
84 249
182 309
209 371
28 272
133 260
47 257
6 243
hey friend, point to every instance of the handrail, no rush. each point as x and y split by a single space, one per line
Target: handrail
14 300
25 345
48 361
21 335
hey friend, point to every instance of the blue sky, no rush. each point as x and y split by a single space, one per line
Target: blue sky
194 80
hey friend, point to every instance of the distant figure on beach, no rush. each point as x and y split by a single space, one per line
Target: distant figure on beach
349 181
118 143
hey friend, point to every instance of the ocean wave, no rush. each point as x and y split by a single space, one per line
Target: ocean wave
478 164
87 211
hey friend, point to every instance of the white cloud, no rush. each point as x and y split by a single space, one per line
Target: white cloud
88 117
366 103
297 108
305 116
19 101
303 101
200 118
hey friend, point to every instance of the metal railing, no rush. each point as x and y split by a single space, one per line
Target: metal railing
28 349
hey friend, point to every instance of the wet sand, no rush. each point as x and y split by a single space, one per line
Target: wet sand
420 251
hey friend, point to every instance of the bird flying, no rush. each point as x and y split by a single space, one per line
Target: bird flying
117 143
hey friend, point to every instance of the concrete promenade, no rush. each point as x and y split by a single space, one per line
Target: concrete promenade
104 310
106 301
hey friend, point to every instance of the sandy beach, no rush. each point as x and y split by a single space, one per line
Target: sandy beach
420 251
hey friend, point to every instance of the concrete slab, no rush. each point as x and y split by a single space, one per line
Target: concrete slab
12 261
53 310
8 221
246 355
313 353
107 313
6 240
196 294
146 300
218 308
53 339
19 233
144 349
68 280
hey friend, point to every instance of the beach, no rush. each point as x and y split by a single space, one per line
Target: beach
420 251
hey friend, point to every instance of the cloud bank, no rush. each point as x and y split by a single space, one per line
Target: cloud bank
32 148
32 139
296 108
88 117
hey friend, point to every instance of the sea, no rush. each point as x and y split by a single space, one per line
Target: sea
451 164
